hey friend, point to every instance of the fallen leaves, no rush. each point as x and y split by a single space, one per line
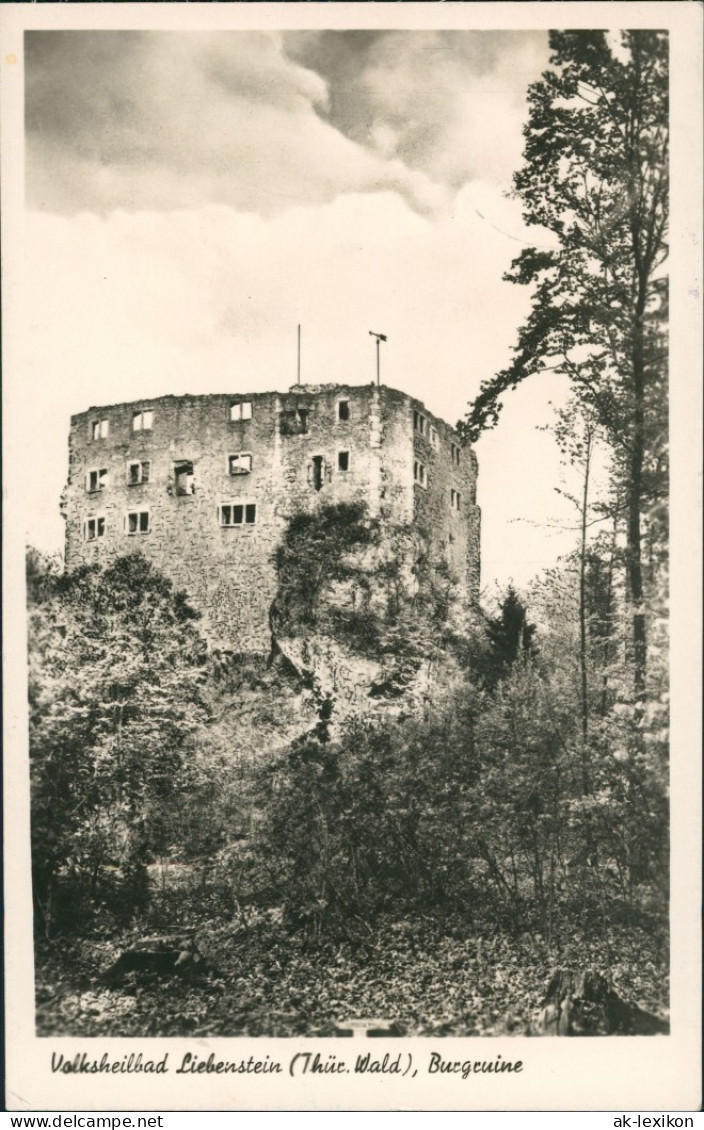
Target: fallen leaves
268 983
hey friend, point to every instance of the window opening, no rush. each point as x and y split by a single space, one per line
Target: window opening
317 472
183 476
433 436
240 463
419 473
94 528
242 410
238 514
142 421
101 429
455 499
138 522
96 480
295 421
343 410
138 473
343 460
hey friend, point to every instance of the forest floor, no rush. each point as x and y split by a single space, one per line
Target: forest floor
264 982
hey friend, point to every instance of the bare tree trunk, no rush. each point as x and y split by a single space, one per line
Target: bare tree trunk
589 439
608 625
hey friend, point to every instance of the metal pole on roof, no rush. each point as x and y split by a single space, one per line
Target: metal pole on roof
379 337
298 368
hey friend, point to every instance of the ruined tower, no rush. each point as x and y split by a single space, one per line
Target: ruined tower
203 486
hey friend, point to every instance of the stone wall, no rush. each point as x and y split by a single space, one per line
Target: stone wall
157 477
445 499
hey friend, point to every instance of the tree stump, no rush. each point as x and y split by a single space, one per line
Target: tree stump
163 956
585 1004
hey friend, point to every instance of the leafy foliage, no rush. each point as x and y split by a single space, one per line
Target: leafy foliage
444 854
315 553
432 982
493 807
510 636
115 691
596 176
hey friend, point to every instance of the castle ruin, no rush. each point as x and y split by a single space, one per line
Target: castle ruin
203 486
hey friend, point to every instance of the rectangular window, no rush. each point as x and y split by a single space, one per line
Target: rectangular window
295 421
420 424
93 528
138 473
137 521
96 480
183 477
100 429
455 454
343 460
240 463
238 514
419 474
142 421
434 436
316 472
343 410
455 499
242 410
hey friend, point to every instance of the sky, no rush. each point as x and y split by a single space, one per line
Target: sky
192 197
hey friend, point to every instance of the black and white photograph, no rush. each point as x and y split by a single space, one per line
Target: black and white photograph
341 409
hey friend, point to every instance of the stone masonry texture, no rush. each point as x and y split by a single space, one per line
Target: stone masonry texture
158 477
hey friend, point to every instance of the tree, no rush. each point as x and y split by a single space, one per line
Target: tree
577 433
596 176
510 637
115 690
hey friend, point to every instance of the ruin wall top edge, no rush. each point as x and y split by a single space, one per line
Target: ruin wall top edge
209 399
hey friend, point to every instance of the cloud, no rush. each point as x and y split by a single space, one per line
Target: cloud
172 120
449 104
265 121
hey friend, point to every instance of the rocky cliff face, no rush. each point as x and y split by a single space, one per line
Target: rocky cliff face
364 617
365 623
